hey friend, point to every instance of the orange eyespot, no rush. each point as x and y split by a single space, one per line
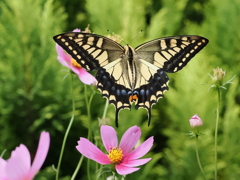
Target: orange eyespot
133 98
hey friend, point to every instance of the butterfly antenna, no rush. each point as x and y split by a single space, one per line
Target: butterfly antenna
115 37
119 39
144 29
136 36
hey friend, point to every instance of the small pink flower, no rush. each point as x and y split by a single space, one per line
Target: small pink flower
18 166
195 121
122 156
68 61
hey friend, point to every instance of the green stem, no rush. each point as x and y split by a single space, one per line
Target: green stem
198 159
104 116
3 153
114 175
123 177
77 168
89 133
88 103
216 131
67 131
105 109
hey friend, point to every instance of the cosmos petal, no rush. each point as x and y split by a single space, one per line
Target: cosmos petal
136 162
86 77
42 150
109 137
3 175
123 170
89 150
130 139
18 165
140 150
63 58
76 30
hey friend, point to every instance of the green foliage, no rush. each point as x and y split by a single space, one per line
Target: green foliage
27 67
35 96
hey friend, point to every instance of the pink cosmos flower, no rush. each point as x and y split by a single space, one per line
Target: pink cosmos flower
68 61
18 166
195 121
122 156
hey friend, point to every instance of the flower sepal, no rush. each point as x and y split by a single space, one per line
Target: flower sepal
194 134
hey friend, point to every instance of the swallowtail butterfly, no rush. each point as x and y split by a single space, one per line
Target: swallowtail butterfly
126 75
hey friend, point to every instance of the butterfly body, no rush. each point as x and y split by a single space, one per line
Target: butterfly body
126 75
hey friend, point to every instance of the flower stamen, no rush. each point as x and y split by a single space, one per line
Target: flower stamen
75 63
115 155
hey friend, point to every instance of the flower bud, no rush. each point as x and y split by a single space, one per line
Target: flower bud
195 121
218 75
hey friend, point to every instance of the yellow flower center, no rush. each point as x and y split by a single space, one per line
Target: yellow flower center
75 63
115 155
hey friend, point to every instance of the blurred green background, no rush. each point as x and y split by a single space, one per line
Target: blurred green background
35 96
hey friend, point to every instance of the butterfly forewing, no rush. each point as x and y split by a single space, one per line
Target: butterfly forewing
171 53
90 51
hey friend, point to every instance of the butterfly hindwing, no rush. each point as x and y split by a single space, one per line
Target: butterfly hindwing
152 90
115 92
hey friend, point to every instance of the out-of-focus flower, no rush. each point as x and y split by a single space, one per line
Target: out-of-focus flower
123 158
195 121
103 121
87 29
68 61
18 166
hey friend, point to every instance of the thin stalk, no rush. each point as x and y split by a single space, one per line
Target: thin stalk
96 165
198 159
123 177
3 153
77 168
105 109
216 131
67 131
104 116
88 103
114 175
89 133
